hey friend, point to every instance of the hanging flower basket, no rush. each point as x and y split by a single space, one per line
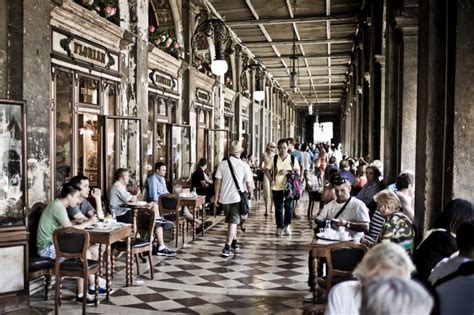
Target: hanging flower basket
165 42
108 9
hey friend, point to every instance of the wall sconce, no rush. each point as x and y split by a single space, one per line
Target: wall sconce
216 29
260 78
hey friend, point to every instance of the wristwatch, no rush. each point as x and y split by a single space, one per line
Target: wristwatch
348 225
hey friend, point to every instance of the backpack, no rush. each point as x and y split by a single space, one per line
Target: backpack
293 187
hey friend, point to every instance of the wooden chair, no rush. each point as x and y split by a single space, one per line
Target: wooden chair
341 260
38 266
72 244
143 240
169 204
314 196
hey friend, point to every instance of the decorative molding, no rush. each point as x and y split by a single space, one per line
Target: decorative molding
82 22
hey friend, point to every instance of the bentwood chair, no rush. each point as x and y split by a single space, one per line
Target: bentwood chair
38 266
169 204
143 240
71 246
341 260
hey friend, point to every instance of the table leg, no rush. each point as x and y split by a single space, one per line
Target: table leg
129 265
100 259
203 210
108 252
194 223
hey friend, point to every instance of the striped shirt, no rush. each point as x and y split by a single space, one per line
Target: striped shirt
375 227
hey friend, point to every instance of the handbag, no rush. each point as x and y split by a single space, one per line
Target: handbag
244 198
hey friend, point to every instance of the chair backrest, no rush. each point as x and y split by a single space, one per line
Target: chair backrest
344 257
168 203
70 242
34 217
146 224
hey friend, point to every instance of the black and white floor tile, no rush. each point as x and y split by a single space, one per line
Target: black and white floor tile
268 275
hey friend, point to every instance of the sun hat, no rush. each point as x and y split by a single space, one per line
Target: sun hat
235 147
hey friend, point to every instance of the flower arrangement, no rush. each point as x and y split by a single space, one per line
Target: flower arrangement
164 41
107 9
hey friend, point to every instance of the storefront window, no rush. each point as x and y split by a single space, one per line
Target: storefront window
88 91
110 98
11 170
63 127
88 144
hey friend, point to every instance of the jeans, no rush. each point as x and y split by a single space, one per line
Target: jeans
282 204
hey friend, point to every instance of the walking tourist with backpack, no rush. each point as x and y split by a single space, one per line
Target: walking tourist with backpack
286 186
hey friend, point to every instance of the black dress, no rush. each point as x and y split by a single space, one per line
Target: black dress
438 245
196 179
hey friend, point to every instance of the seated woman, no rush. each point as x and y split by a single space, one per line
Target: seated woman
397 228
440 242
203 184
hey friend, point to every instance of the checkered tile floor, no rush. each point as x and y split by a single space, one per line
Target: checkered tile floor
268 275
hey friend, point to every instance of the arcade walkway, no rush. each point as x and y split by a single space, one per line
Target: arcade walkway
267 276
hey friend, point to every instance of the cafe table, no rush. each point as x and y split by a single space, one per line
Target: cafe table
135 207
193 203
321 249
107 236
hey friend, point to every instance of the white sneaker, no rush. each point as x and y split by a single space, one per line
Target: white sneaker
287 230
308 297
279 232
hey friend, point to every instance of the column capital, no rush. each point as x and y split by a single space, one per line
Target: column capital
407 25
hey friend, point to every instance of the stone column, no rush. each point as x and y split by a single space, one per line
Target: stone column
463 142
409 28
435 107
31 81
237 105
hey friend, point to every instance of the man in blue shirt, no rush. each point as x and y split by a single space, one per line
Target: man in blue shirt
156 186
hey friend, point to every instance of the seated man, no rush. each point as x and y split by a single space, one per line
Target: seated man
203 184
54 217
156 186
344 211
84 210
119 196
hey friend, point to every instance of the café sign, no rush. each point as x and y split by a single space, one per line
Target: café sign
80 50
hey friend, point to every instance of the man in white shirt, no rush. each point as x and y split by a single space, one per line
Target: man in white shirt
227 194
354 215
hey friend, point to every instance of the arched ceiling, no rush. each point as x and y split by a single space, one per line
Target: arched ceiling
325 31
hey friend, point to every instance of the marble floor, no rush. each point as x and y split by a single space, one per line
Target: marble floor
267 276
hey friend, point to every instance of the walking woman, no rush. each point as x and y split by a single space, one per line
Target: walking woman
267 161
277 172
322 162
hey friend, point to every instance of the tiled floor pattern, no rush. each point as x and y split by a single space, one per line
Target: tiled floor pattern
268 275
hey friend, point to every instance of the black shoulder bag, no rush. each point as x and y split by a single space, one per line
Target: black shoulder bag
321 224
244 198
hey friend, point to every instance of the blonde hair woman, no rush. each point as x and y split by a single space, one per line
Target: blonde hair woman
398 228
267 162
382 259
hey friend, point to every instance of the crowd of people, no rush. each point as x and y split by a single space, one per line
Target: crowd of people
352 195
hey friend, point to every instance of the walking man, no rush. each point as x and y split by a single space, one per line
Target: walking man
227 194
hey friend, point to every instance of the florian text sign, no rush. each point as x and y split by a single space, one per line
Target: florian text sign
80 50
162 79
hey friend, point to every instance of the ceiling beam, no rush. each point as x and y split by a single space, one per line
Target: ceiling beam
315 68
253 44
316 77
309 56
307 19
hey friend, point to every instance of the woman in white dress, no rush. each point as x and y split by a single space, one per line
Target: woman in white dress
267 160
